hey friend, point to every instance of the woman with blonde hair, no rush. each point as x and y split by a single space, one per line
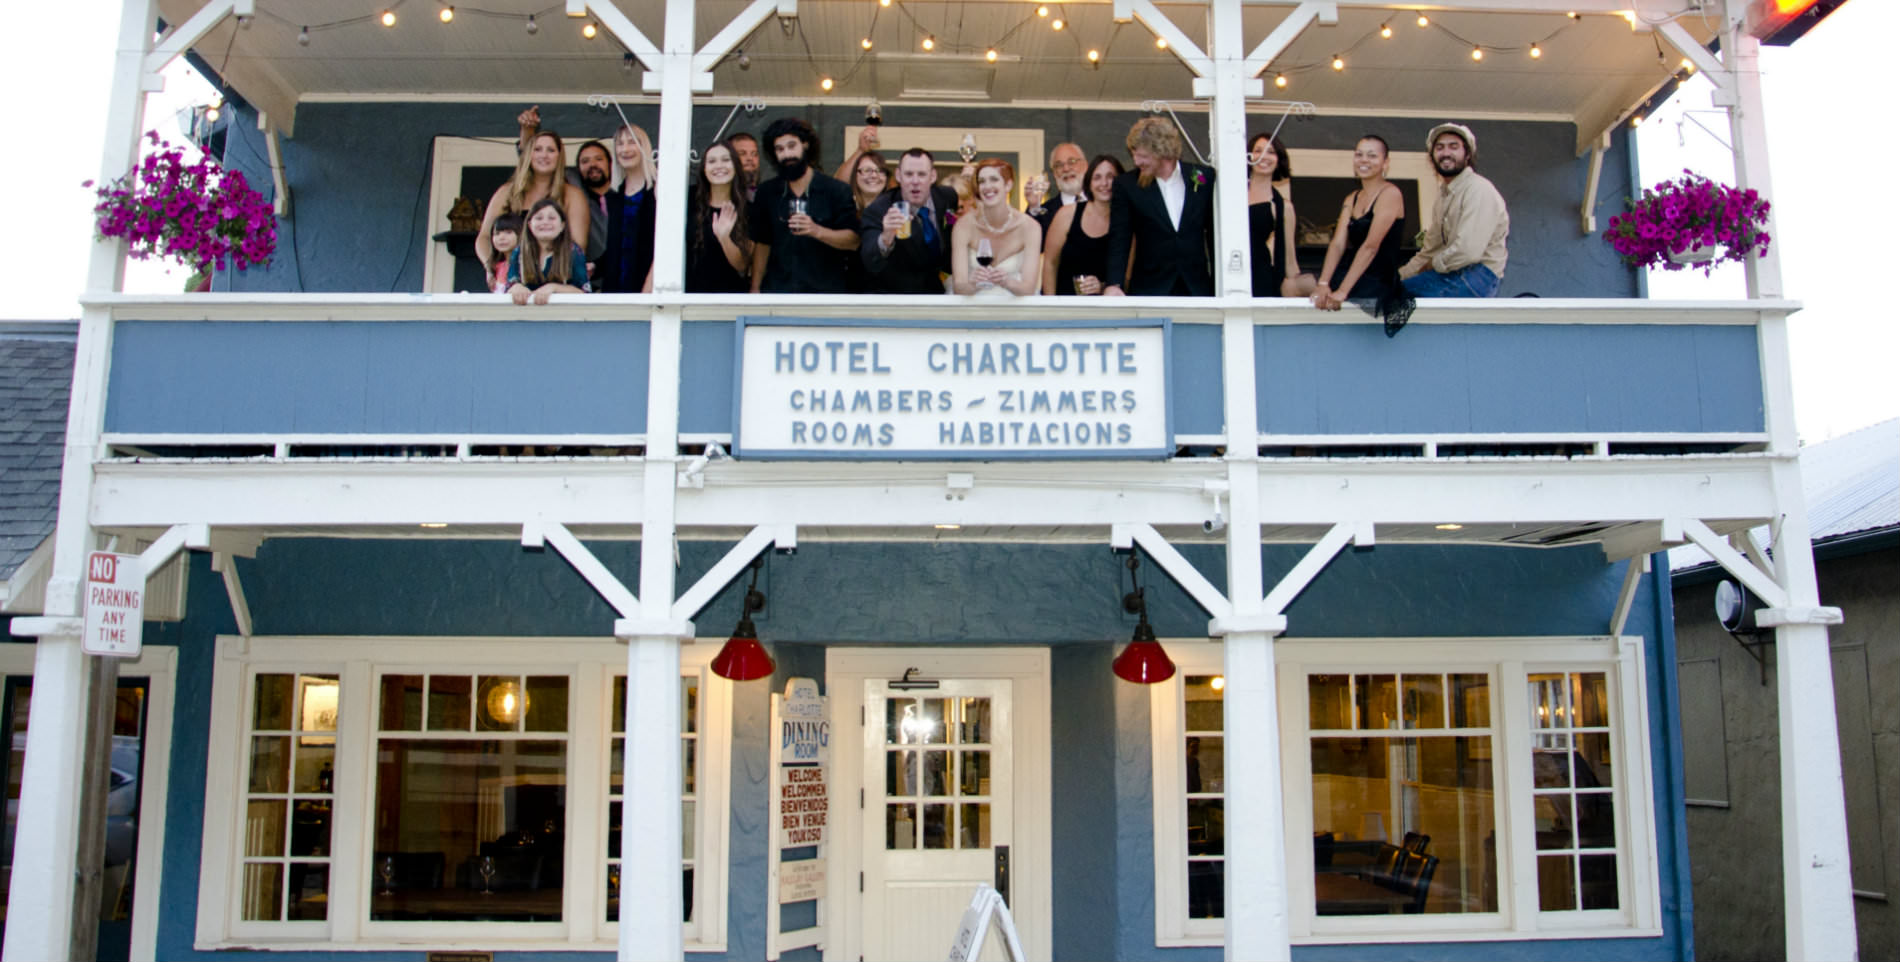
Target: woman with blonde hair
626 266
540 174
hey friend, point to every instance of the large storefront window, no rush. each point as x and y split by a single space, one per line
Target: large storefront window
1449 789
457 792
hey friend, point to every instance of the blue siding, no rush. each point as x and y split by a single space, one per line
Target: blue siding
1195 379
707 354
1457 378
1062 595
369 377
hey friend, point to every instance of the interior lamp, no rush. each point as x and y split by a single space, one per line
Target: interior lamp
742 658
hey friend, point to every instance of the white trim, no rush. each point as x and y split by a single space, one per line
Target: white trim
846 670
589 663
1508 661
159 665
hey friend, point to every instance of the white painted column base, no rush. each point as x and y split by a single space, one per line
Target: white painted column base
651 909
40 902
1256 909
1818 886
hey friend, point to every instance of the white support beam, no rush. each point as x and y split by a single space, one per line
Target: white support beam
176 538
620 27
1744 542
1588 218
1626 595
1748 137
226 565
1302 574
280 184
736 31
1756 580
1124 536
538 534
1151 17
729 567
184 37
1697 54
1289 30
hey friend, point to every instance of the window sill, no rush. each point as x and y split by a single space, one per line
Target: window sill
1469 935
426 945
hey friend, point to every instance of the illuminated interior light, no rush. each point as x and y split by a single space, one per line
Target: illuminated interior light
1280 80
1424 21
389 18
930 43
1477 53
1385 30
590 31
1449 526
990 55
1161 43
825 84
1339 63
1536 51
447 15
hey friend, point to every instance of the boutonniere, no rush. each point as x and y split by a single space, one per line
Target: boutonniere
950 218
1199 177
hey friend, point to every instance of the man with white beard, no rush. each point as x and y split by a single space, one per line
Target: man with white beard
1069 167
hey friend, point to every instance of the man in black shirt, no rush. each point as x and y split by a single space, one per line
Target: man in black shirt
801 252
908 254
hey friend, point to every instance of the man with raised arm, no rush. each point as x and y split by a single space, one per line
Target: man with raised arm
1464 250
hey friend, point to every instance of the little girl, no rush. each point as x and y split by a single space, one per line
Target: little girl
547 262
505 236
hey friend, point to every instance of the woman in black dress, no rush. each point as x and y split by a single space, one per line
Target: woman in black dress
1362 262
718 252
1271 221
1076 252
626 266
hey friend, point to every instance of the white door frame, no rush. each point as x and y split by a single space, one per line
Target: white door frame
1031 895
159 665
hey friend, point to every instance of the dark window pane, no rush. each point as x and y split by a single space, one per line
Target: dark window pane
310 828
449 702
270 763
401 703
976 825
1206 827
1402 826
1599 881
1596 820
264 827
1423 698
316 764
275 702
937 826
1378 701
900 826
1470 701
309 891
547 704
620 704
1556 883
1207 883
1328 701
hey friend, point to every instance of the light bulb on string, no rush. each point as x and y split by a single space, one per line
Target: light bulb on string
1477 53
865 43
825 84
990 55
532 27
1279 80
1573 15
1056 24
1424 21
303 36
1385 30
389 18
590 31
1042 11
1636 121
1688 65
1095 56
214 111
1161 43
930 42
883 3
1537 52
447 15
1339 63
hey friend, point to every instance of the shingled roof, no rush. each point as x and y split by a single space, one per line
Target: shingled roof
36 373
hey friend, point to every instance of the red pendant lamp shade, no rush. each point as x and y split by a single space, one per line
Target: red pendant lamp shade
1144 661
743 658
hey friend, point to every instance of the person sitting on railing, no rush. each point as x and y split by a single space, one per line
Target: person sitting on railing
997 249
548 261
1464 248
503 238
906 231
1362 262
540 173
718 249
802 220
1161 222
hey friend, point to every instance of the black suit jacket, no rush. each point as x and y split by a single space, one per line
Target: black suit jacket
1166 259
913 266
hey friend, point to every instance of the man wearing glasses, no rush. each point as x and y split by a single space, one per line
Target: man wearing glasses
1069 168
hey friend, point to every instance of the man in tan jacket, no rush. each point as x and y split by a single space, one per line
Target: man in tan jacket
1464 251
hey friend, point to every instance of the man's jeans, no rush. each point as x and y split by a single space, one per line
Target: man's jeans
1474 281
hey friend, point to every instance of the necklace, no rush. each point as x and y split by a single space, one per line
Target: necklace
983 221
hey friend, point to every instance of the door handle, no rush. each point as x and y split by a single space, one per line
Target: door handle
1002 872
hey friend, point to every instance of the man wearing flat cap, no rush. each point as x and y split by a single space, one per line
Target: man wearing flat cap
1463 254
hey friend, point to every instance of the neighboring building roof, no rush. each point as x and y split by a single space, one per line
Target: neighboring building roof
1852 486
36 374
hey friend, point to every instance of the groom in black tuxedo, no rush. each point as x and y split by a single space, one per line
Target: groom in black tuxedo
1164 208
915 264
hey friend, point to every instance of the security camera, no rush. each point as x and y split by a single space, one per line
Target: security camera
1213 524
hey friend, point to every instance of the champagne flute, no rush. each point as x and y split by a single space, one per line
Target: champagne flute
967 149
487 868
388 872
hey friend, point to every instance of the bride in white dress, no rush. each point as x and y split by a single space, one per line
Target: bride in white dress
997 232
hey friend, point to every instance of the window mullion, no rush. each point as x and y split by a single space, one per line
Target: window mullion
587 802
1517 846
354 781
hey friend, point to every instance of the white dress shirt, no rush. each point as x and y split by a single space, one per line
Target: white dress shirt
1173 194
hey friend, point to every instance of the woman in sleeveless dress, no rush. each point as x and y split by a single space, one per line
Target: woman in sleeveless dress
718 250
1362 263
1008 238
1271 221
1077 254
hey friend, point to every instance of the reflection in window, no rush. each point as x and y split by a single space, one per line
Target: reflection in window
1206 783
1574 791
289 789
471 806
1404 810
937 773
689 791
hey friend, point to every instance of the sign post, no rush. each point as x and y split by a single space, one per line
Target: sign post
801 811
115 605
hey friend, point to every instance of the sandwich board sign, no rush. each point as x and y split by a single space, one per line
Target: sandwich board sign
115 605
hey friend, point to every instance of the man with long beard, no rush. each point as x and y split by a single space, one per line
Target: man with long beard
1464 250
802 220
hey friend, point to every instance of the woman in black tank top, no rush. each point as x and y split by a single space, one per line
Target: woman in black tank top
1362 263
1071 251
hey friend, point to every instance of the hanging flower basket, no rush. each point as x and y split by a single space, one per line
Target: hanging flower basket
1691 221
198 214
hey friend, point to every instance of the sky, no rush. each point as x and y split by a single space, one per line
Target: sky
1843 344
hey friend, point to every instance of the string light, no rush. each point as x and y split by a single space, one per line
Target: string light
389 18
1042 11
1095 56
1279 80
1536 52
1424 21
532 28
865 43
883 3
1477 53
1573 15
1385 30
825 84
590 31
1161 43
212 112
1636 121
990 55
930 42
1339 63
1056 24
1688 65
303 36
447 15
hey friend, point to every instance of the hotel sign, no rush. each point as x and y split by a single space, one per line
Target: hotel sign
890 390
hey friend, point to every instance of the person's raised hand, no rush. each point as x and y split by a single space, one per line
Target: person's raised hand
722 221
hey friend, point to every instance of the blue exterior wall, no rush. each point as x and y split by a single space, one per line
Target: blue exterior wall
359 174
933 594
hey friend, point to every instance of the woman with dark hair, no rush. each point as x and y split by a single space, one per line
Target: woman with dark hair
540 173
626 266
1271 221
1362 262
718 249
1077 254
548 261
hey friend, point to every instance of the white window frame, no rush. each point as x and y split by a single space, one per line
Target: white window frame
590 664
1509 661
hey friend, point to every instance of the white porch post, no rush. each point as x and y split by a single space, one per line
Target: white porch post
1255 891
40 902
1817 885
675 83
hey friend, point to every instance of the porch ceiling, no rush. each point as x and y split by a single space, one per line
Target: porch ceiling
1592 69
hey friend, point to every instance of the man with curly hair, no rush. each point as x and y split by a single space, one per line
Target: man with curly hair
1164 211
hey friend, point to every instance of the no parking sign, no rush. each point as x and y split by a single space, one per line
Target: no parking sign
115 605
